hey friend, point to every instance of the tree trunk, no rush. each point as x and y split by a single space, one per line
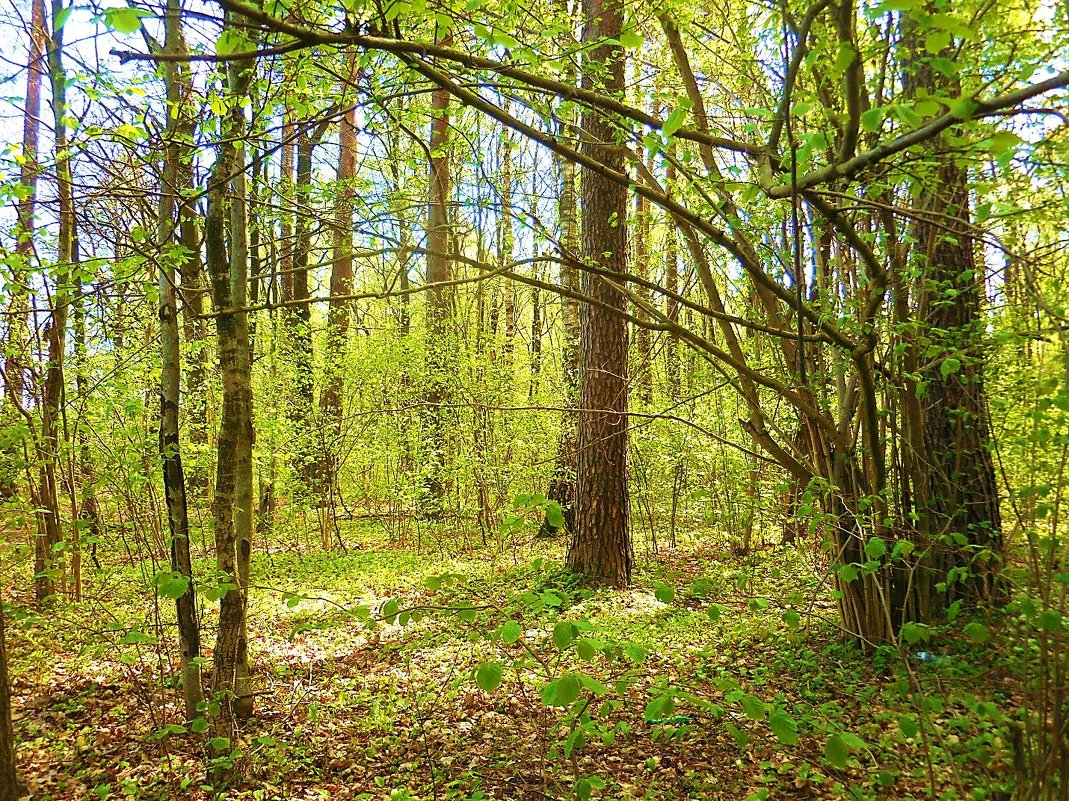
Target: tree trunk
600 548
174 481
341 284
562 485
956 493
439 305
9 785
17 348
231 507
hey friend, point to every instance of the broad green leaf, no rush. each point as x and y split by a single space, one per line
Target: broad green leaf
977 632
665 594
510 632
488 676
792 619
125 20
752 706
835 752
875 548
676 118
563 634
784 727
568 689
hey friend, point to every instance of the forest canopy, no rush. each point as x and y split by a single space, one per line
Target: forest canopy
430 399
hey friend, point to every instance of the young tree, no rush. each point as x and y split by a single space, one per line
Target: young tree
174 479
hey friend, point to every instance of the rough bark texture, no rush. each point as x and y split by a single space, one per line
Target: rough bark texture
954 489
439 305
174 480
600 548
234 442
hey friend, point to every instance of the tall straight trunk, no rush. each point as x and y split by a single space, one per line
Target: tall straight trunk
600 548
191 271
17 347
9 784
506 243
300 317
240 75
285 182
671 269
440 333
562 484
339 309
174 479
956 494
48 509
643 335
232 504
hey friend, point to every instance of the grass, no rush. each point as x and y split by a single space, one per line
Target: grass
683 705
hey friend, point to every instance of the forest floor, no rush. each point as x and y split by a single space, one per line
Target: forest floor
768 701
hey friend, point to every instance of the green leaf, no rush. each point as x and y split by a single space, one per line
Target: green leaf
977 632
913 633
586 649
752 706
136 637
563 634
631 39
172 585
1002 142
61 18
124 20
716 611
908 726
963 108
792 619
937 41
592 684
784 727
219 743
872 119
676 118
488 676
659 708
875 548
568 688
1050 620
510 632
198 726
665 594
554 514
835 752
949 366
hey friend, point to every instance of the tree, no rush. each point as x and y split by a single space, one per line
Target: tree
440 332
174 478
600 548
9 785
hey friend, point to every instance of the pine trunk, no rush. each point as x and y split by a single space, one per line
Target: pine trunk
600 548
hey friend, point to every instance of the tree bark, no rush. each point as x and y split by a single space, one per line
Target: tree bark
174 480
600 548
339 309
440 333
9 784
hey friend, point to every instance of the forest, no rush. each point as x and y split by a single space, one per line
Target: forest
534 399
